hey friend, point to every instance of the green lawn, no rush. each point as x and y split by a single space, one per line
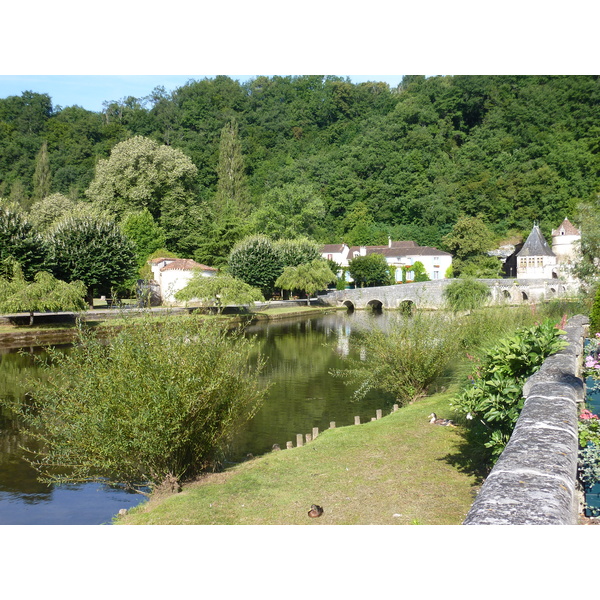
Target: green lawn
398 470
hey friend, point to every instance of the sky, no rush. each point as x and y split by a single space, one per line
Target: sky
91 91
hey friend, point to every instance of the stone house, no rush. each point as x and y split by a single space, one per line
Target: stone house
537 260
565 245
173 274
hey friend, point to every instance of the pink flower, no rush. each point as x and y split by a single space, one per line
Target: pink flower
586 414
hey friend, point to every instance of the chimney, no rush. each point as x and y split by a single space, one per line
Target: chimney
389 241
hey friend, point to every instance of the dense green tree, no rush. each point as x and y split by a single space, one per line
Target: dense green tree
587 267
93 250
290 211
141 228
217 237
232 195
511 149
297 251
143 174
307 277
255 261
41 178
19 241
468 242
370 270
45 212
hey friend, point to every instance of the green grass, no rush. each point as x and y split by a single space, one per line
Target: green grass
396 471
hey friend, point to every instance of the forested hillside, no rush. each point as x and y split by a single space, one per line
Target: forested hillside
316 156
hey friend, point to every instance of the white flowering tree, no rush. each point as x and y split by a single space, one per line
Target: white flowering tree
141 173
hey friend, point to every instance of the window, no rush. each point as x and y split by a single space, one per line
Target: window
330 257
436 274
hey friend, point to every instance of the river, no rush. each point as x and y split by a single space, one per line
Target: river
303 394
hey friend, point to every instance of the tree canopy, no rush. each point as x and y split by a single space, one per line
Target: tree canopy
370 270
317 156
45 293
308 277
219 291
93 250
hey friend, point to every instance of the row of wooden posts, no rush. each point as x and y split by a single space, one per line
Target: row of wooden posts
308 437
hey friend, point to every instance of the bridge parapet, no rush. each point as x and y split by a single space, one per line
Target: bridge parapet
430 294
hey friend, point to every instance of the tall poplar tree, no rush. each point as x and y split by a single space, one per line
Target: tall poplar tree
41 177
232 192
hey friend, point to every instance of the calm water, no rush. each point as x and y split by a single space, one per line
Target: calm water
303 395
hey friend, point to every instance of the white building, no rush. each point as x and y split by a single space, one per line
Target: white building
397 254
173 274
565 245
536 260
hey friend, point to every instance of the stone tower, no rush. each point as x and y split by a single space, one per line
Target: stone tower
536 260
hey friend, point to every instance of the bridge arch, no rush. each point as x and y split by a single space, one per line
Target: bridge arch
406 307
524 296
349 305
375 305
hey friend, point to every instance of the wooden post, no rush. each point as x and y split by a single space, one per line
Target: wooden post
315 432
379 414
289 445
298 439
357 420
395 407
308 438
332 425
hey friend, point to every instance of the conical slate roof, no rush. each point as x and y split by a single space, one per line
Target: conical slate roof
536 245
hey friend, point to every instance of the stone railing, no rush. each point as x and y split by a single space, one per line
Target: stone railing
534 480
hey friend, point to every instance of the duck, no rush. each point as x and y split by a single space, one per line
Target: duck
435 421
315 511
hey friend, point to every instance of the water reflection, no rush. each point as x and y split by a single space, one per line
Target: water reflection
303 395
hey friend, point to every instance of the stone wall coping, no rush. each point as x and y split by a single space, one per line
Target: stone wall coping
534 482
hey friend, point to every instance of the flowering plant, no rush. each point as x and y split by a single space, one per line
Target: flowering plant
589 428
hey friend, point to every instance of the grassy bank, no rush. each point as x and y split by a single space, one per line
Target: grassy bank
396 471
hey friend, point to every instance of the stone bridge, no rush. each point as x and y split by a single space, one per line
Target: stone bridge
429 294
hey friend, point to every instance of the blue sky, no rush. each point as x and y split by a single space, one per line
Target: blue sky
90 91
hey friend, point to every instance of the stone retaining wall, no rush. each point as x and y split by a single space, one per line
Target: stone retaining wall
534 480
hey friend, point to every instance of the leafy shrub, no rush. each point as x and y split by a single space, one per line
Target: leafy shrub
156 401
370 270
466 294
493 400
406 358
595 314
